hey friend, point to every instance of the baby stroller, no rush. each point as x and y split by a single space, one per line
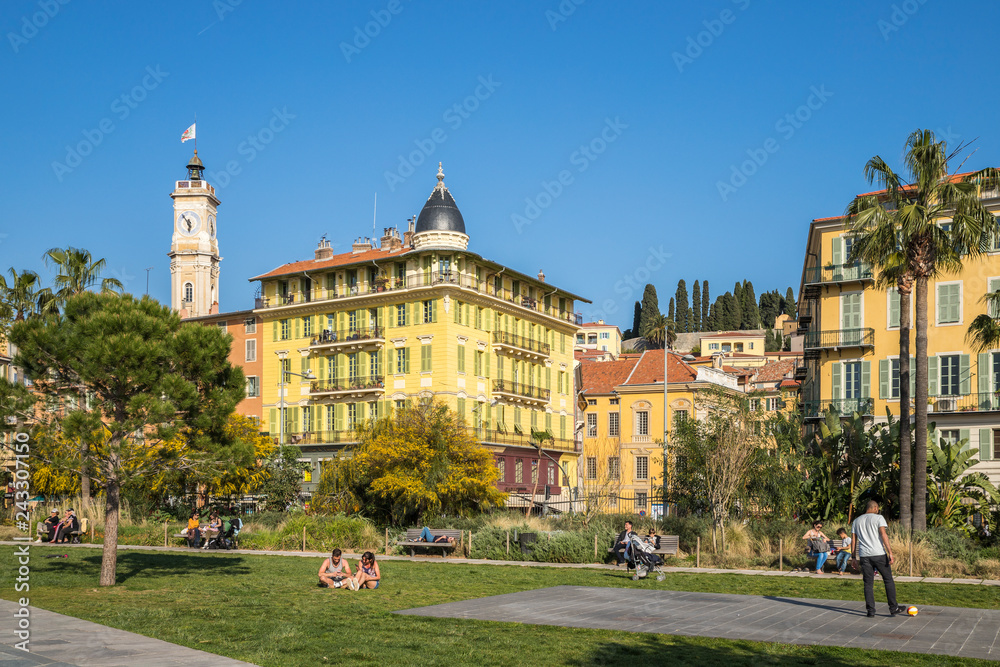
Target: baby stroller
227 538
639 555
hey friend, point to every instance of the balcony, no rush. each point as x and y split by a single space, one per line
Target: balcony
520 347
498 437
844 407
839 338
348 340
359 386
322 437
989 402
521 393
837 273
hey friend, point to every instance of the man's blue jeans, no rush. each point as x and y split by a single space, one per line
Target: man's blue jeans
842 558
425 535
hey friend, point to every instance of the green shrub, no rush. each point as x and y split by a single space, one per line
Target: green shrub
949 543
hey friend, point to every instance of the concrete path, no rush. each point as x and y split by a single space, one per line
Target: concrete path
482 561
63 641
968 633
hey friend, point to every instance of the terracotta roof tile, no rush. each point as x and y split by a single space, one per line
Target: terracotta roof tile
649 370
343 259
789 383
775 370
601 377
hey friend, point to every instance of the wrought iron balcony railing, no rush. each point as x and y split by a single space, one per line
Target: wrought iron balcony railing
327 336
841 406
521 389
514 340
985 402
347 384
838 273
837 338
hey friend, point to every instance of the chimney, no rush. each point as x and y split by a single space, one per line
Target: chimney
541 275
363 244
717 360
323 250
390 239
600 321
408 234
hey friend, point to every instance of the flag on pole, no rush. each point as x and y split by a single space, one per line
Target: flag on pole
188 133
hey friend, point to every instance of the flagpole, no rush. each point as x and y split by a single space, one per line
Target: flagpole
196 132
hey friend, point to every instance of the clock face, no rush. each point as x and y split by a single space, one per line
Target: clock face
211 226
188 223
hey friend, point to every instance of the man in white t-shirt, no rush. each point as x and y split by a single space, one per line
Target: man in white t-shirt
870 544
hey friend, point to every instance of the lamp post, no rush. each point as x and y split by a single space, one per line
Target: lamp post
308 375
666 419
561 466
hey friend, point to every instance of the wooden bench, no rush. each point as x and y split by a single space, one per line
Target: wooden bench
834 545
412 541
42 530
669 544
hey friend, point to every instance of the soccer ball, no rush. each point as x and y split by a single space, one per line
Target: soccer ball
912 611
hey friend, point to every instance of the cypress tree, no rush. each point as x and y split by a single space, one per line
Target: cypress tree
650 309
696 307
710 325
729 313
636 317
706 320
683 311
771 305
750 316
671 312
790 305
736 307
769 344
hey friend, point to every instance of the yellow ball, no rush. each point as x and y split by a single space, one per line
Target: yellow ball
912 611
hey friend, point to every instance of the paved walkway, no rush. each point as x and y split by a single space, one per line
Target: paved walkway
482 561
968 633
63 641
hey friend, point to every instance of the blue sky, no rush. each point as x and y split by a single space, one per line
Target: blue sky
644 108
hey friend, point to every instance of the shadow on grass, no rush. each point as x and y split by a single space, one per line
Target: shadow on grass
674 650
150 565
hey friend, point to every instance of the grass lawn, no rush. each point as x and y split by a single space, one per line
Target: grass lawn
267 610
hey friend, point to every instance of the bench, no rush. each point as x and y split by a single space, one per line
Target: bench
412 541
834 546
42 530
668 546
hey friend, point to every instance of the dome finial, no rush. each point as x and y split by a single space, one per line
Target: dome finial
440 175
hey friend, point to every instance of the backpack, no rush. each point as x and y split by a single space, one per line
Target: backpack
819 545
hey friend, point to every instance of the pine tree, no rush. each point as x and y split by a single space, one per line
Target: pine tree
683 312
706 303
750 316
650 309
790 305
696 307
636 317
670 311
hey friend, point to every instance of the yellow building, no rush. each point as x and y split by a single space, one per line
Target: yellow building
852 343
420 316
621 468
747 342
599 336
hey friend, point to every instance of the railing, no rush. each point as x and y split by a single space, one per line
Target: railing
356 383
986 402
196 185
521 389
514 340
520 439
321 437
328 336
841 406
838 273
419 280
840 338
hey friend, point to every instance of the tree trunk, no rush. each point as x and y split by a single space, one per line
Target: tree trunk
84 472
109 559
905 450
920 411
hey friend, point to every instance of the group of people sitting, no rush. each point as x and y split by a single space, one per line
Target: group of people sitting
198 534
62 530
335 572
620 547
819 545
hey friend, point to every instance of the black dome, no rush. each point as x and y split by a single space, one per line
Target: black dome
440 213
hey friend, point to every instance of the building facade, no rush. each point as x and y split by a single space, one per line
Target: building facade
194 247
419 316
246 328
851 343
599 336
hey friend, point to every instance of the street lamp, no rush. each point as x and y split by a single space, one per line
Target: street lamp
562 468
308 375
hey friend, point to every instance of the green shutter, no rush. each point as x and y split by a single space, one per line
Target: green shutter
994 285
884 378
294 420
964 377
297 330
893 308
338 417
461 408
548 423
955 309
458 309
866 379
272 426
985 444
837 251
836 391
913 377
932 376
486 358
274 331
434 310
548 379
391 359
963 434
406 361
461 358
303 365
983 374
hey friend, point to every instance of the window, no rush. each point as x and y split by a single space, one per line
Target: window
991 453
642 422
286 329
591 401
373 365
502 469
591 425
477 363
352 415
461 358
250 325
592 466
949 303
772 404
224 325
642 467
614 467
754 404
949 436
852 379
680 417
534 471
519 471
713 346
726 347
605 335
894 378
373 409
352 320
428 311
425 358
552 474
352 365
251 350
286 366
331 367
640 501
188 292
253 386
614 401
307 326
739 347
950 374
400 404
614 424
401 315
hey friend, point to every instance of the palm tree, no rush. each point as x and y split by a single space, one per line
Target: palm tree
940 219
22 296
78 272
984 332
661 329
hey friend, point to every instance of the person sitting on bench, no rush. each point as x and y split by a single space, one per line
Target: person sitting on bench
70 524
193 534
52 525
427 536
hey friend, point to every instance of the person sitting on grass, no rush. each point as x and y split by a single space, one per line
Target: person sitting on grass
335 572
844 553
368 575
427 536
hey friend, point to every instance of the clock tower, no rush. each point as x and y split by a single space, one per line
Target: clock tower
194 249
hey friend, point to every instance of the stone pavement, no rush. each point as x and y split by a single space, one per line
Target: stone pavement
63 641
968 633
